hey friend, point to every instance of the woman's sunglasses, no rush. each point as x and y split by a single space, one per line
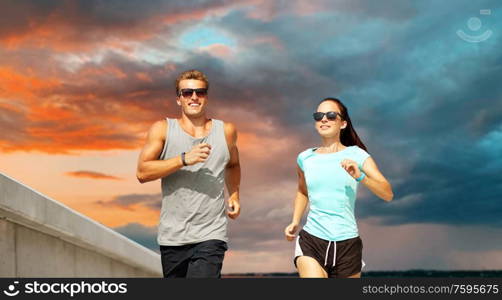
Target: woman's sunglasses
330 115
187 93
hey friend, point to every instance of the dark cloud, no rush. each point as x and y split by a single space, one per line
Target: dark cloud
152 201
455 185
451 179
11 124
144 235
261 226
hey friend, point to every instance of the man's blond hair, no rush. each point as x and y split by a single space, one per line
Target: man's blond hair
191 74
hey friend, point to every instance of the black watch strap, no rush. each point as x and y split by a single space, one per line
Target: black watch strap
183 159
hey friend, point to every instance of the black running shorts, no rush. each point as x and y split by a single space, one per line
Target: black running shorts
200 260
347 254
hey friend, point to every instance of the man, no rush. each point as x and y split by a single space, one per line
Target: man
195 157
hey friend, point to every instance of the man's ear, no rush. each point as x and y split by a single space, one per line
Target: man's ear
178 101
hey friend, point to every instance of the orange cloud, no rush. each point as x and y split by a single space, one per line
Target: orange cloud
16 85
52 116
74 26
107 213
92 175
65 34
143 76
106 70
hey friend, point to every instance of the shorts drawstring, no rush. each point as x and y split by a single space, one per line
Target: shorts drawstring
326 255
334 253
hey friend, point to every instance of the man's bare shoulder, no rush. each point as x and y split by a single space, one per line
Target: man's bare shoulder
230 133
230 128
158 129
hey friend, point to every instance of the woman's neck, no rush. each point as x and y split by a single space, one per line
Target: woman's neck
331 145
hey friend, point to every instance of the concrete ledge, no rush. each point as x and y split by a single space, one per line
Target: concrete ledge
74 245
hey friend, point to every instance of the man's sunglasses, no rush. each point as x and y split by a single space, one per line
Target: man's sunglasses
330 115
187 93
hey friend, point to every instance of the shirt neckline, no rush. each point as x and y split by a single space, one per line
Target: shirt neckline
191 136
313 151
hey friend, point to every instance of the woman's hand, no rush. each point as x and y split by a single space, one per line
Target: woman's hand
290 231
351 167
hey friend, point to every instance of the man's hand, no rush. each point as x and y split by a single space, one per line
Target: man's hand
234 207
199 153
290 231
351 167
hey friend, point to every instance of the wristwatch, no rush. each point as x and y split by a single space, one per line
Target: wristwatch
183 159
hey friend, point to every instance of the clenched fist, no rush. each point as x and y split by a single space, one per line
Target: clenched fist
198 154
351 167
290 231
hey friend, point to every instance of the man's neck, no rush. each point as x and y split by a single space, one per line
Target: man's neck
194 122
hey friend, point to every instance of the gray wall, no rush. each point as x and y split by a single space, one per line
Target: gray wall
40 237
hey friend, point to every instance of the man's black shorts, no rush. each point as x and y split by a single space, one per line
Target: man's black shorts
200 260
348 254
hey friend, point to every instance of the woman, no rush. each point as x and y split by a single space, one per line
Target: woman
328 176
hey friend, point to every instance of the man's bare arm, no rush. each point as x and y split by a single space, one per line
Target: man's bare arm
233 171
149 166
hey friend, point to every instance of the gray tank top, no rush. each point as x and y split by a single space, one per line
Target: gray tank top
193 202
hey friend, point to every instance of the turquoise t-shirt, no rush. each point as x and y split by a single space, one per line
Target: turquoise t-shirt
332 193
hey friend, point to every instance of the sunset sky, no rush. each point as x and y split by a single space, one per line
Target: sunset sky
82 81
